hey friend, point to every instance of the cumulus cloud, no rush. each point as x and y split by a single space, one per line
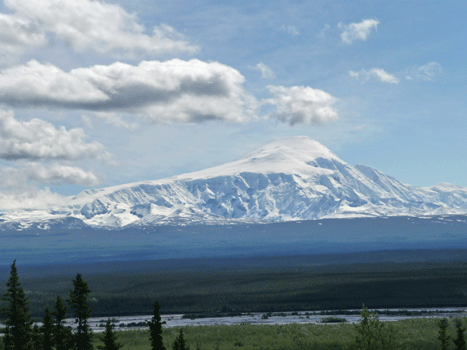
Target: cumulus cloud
35 84
30 146
37 139
58 174
174 91
29 197
55 174
19 185
376 73
301 105
86 24
17 34
357 31
266 72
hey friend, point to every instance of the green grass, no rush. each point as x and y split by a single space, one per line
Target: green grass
411 334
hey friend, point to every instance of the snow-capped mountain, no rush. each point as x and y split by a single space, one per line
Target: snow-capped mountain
290 179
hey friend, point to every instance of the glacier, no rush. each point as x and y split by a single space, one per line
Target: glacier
284 180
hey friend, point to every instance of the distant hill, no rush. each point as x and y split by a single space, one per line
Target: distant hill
312 237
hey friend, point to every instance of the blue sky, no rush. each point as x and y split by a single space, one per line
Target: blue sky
102 93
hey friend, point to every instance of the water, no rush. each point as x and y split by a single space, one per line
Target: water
258 318
97 324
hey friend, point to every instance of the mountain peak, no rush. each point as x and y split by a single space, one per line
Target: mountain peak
293 155
289 179
296 147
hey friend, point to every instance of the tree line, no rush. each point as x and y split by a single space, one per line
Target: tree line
21 334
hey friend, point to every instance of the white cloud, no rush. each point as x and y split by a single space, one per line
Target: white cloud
174 91
37 84
94 25
429 71
28 197
301 105
19 185
291 30
25 144
357 31
383 76
58 174
376 73
37 139
266 72
17 34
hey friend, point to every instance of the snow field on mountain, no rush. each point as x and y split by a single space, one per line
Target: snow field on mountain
284 180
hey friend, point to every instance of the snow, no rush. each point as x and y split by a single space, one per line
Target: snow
288 156
289 179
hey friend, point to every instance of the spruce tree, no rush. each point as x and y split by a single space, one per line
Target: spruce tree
18 332
81 311
37 338
180 343
48 330
155 329
109 338
62 334
442 336
459 342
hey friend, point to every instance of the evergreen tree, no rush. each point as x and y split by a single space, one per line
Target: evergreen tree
62 334
155 329
18 332
7 339
180 343
459 342
48 330
37 338
442 336
81 311
109 338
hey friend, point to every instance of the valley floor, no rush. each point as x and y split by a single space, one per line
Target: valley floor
409 334
231 287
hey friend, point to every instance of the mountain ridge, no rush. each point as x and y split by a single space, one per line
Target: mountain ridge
283 180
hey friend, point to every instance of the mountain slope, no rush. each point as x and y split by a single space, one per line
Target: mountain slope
291 179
